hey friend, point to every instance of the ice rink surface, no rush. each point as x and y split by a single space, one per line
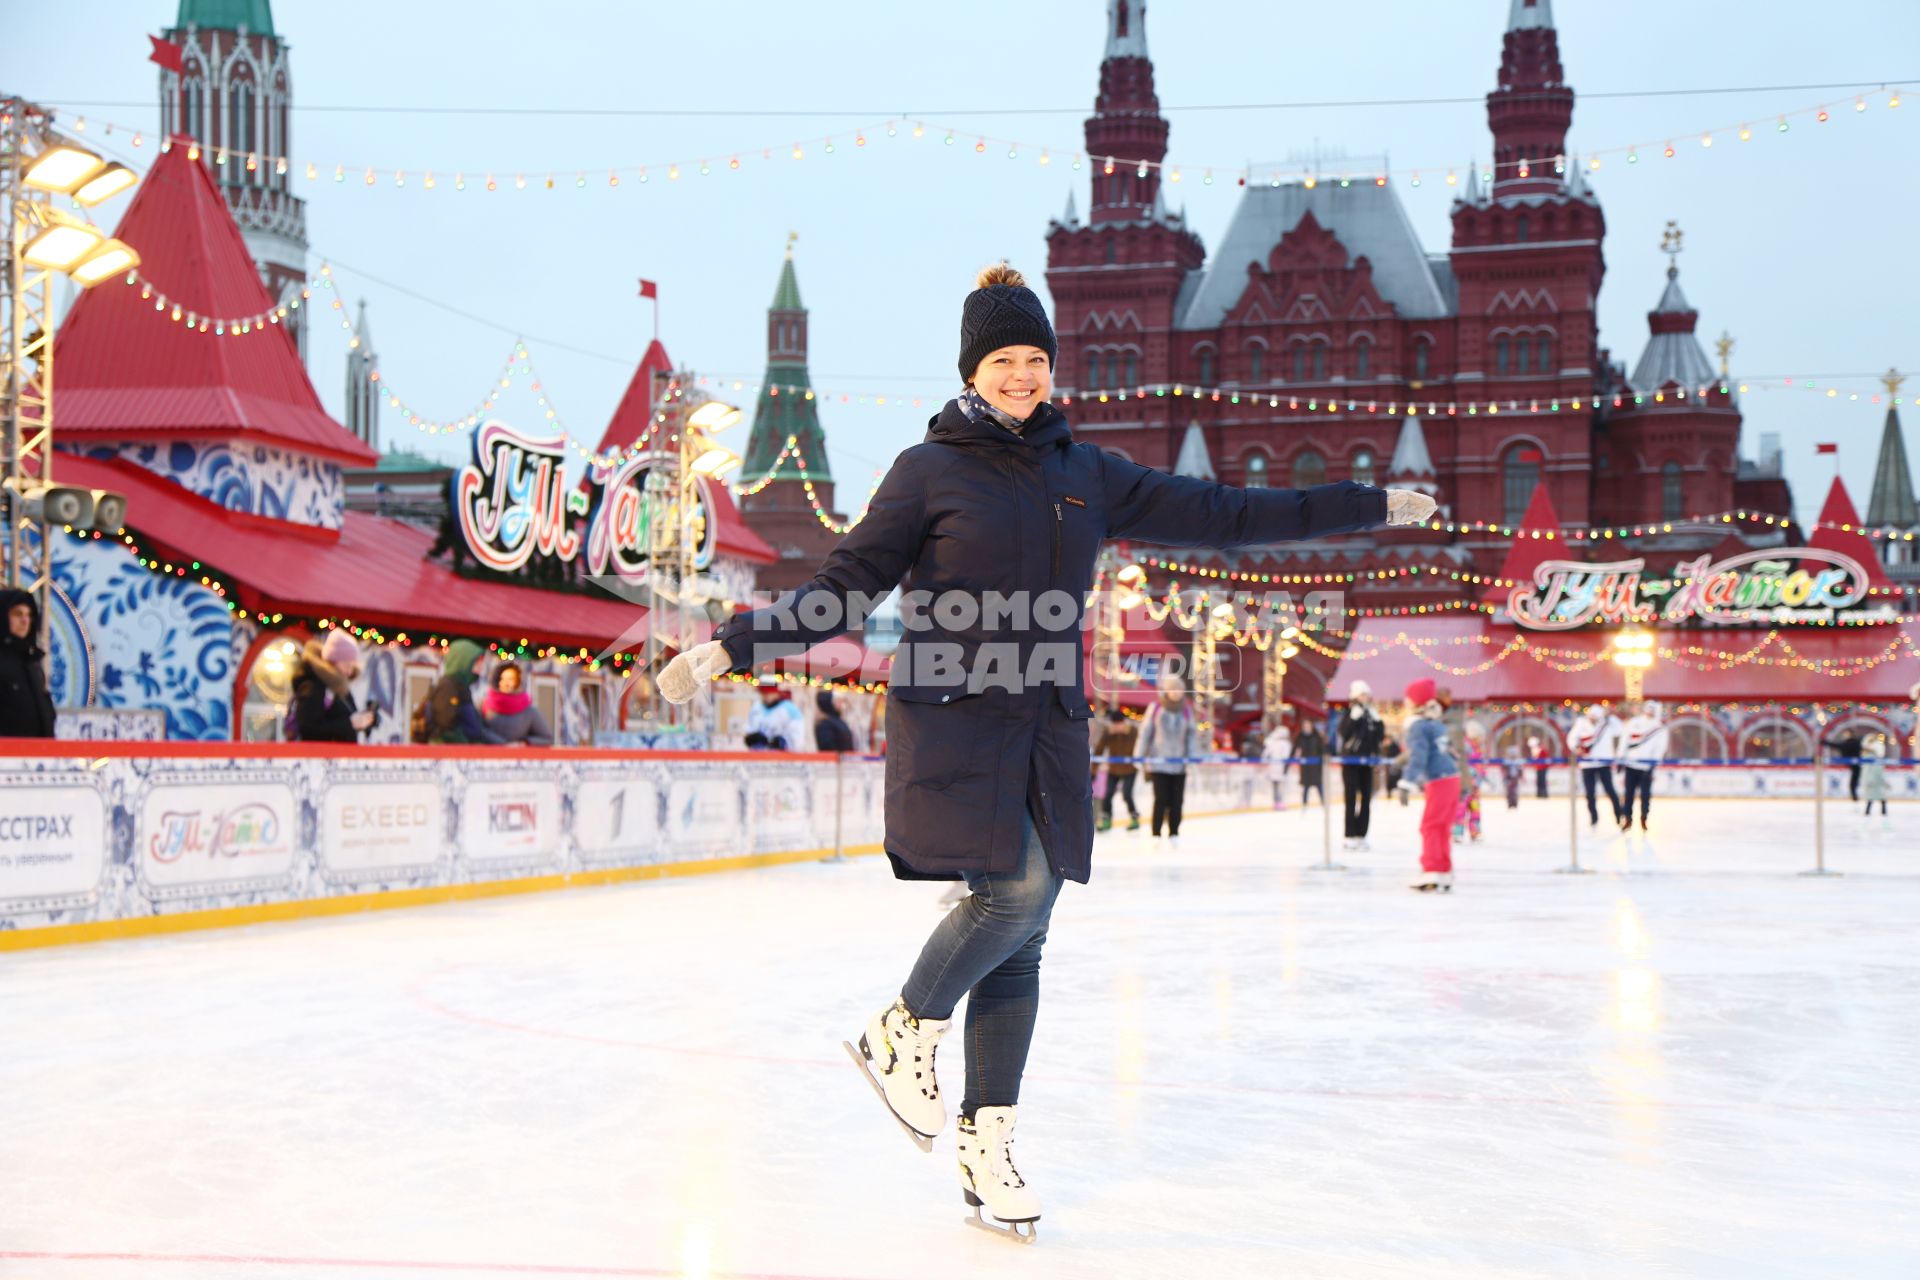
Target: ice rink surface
1693 1063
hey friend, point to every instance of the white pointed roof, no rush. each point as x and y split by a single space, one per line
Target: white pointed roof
1193 460
1130 42
1410 456
1673 354
1527 14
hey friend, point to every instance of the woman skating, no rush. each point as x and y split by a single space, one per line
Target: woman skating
992 525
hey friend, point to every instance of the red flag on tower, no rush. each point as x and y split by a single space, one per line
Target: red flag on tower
167 54
648 289
1826 448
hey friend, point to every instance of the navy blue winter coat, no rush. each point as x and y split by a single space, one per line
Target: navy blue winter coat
987 715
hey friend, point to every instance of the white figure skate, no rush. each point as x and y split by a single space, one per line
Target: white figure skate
1433 882
988 1179
896 1056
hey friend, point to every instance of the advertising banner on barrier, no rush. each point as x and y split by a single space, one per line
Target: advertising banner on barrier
200 837
380 830
616 821
512 819
53 843
704 816
777 805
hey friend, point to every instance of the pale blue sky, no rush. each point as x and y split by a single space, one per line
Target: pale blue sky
1801 244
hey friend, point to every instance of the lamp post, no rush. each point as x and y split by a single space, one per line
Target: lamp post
1273 679
37 243
1110 627
674 504
1633 654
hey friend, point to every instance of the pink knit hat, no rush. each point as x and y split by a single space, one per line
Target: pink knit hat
1420 692
340 650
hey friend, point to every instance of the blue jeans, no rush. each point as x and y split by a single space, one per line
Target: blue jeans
988 948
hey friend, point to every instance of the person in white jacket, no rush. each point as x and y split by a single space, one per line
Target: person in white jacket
776 724
1645 747
1277 751
1595 741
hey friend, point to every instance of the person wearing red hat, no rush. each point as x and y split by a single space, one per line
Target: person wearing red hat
1431 768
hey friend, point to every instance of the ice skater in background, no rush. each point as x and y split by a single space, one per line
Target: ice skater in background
1358 732
1537 753
1431 768
1512 770
1645 746
1595 741
1847 747
1277 752
1473 779
988 773
1873 774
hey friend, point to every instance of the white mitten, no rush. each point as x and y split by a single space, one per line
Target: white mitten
689 672
1409 506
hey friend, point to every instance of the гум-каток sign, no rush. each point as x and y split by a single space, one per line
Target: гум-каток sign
1769 587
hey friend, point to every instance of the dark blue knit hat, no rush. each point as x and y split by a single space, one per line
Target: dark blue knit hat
1002 312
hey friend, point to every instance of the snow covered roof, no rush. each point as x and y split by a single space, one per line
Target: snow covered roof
1527 14
1368 220
1673 354
1410 456
1126 28
1194 460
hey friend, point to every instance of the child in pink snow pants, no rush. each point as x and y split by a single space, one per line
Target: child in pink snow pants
1430 767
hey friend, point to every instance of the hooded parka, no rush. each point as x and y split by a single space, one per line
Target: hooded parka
993 536
26 707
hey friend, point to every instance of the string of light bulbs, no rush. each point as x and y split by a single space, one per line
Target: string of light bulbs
434 177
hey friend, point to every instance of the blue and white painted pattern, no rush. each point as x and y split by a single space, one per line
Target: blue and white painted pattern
156 641
242 476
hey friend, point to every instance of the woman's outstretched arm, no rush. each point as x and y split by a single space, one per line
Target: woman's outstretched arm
1184 512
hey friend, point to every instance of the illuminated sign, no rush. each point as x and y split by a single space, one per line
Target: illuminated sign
514 504
1770 586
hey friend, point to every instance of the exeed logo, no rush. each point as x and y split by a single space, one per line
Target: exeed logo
36 826
383 817
513 816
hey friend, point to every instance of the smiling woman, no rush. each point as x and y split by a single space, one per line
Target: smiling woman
995 521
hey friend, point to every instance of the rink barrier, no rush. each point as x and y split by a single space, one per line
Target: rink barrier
112 840
106 840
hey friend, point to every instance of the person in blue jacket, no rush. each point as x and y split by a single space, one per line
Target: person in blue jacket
992 525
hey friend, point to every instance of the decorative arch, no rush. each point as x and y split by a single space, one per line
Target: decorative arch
1255 351
1206 362
1306 468
1522 464
1774 737
1255 469
1696 737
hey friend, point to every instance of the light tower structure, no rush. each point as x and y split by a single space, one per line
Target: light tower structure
39 243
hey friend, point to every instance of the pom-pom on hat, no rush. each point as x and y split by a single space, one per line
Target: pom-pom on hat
1421 692
1002 312
1359 689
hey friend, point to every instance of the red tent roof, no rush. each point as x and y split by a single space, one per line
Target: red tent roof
1459 653
1527 551
374 570
635 410
128 372
1839 509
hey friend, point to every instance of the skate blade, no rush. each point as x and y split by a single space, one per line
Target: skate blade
1010 1231
914 1136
